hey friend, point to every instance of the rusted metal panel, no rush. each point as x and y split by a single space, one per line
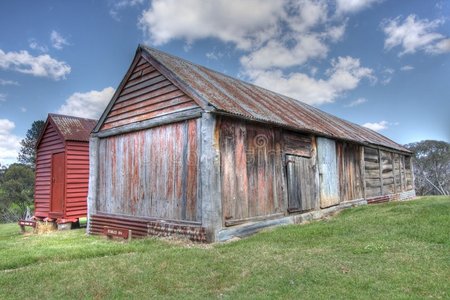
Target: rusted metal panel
300 183
251 169
142 227
329 177
145 95
350 176
151 173
233 96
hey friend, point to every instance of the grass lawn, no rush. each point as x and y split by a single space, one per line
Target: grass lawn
396 250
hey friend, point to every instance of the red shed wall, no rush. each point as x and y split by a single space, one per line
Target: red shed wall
50 143
77 179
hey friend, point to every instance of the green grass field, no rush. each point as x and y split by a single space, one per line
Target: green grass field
389 251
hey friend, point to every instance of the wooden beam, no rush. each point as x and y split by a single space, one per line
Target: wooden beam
363 171
93 179
211 197
158 121
380 171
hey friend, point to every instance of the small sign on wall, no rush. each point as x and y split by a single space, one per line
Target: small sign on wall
111 232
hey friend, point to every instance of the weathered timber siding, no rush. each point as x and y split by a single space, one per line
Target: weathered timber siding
386 172
251 169
151 173
372 172
50 143
77 178
301 183
328 174
350 177
146 94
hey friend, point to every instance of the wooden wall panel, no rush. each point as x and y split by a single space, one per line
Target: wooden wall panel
372 172
50 143
146 95
296 144
387 170
77 178
151 173
301 183
350 176
251 170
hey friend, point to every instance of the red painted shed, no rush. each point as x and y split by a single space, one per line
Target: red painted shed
62 169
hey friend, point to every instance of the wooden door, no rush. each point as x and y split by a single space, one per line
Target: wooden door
58 180
301 183
328 174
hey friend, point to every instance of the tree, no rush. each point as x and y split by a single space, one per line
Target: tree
16 190
431 167
27 154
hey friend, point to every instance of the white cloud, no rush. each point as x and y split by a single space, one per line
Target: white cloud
23 109
356 102
58 41
87 105
414 35
244 23
377 126
353 6
276 54
407 68
118 5
8 82
2 97
33 44
345 74
272 36
9 143
41 66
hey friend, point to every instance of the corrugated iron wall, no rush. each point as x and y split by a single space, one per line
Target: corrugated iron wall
147 94
77 178
151 173
50 143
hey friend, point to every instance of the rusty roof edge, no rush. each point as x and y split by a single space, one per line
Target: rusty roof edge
306 130
73 117
175 79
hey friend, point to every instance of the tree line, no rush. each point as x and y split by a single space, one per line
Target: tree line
431 171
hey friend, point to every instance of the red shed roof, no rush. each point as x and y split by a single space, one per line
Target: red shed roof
226 94
70 128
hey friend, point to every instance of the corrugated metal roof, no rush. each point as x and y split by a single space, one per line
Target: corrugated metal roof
73 128
233 96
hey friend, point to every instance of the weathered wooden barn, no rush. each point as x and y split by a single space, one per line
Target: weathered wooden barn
62 169
182 149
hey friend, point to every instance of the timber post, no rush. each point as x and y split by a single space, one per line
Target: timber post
210 177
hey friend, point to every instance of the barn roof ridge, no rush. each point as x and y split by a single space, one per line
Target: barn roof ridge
247 100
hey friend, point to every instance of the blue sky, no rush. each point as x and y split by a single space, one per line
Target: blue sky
381 64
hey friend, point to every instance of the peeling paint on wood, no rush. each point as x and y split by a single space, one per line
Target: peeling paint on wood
151 173
329 177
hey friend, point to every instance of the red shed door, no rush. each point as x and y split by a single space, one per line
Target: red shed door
57 202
